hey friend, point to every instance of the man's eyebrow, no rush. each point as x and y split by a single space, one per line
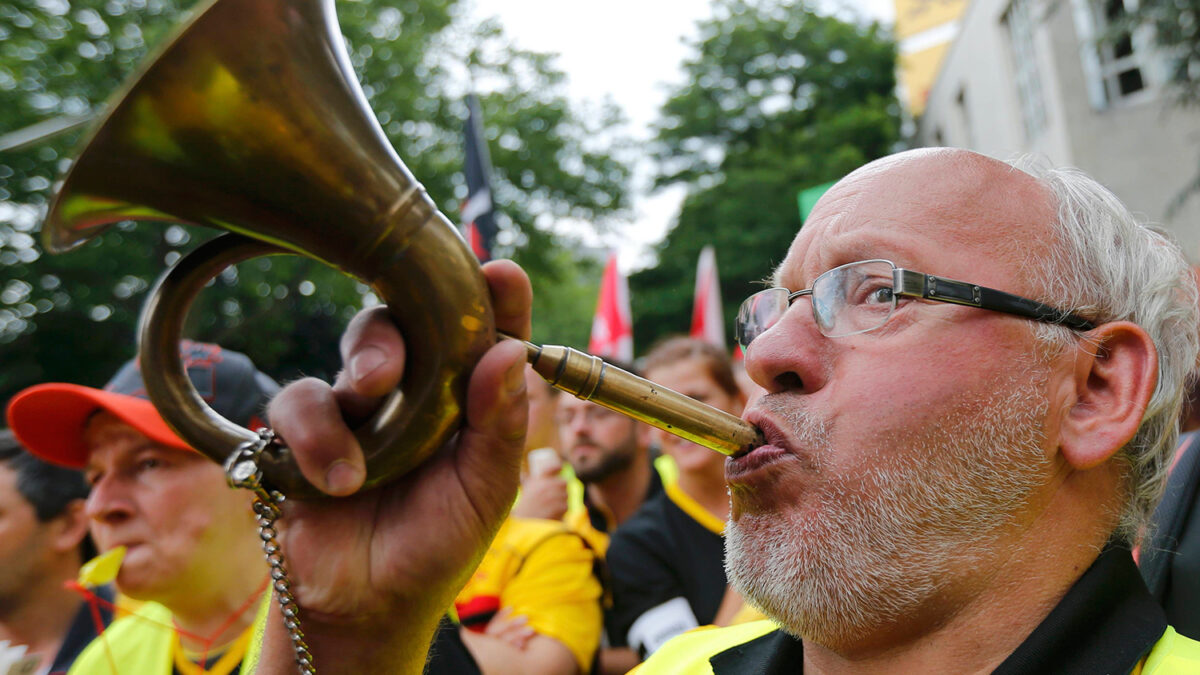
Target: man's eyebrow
138 448
774 280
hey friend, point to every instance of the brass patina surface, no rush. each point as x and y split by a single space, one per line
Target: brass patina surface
251 120
590 378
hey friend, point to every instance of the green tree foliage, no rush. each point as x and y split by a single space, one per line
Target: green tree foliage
72 317
564 298
58 58
778 98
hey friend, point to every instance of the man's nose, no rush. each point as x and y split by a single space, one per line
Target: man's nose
580 424
108 501
792 355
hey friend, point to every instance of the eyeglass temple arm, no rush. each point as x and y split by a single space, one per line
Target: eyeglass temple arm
930 287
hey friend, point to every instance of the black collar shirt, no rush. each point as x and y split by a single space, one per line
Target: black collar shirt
1106 623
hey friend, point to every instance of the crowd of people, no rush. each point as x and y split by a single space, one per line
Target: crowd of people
971 378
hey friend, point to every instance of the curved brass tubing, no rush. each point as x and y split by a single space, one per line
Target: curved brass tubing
251 120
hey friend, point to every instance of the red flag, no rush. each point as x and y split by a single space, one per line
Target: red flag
707 322
612 329
475 241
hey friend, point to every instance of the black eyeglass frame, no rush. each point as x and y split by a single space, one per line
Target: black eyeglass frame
910 284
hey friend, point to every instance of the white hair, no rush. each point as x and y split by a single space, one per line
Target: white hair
1110 267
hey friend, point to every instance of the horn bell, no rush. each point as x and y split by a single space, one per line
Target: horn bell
251 120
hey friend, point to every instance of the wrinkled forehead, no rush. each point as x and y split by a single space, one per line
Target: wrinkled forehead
109 439
947 212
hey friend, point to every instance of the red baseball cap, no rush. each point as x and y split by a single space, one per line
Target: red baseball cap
49 419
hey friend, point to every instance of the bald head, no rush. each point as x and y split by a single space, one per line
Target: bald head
1053 235
955 200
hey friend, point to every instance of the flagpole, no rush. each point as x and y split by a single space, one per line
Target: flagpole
478 210
41 131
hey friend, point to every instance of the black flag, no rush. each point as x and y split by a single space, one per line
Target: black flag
479 220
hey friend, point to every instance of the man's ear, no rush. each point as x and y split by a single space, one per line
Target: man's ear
70 527
1115 371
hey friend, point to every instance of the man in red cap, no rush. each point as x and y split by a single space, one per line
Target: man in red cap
191 549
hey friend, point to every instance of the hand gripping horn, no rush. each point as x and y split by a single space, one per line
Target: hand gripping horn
251 120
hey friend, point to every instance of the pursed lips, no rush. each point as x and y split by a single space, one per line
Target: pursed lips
778 446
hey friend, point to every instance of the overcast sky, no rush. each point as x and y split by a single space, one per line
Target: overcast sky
629 50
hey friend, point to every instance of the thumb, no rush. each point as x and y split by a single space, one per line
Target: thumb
492 442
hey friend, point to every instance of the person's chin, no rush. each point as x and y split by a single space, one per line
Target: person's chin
583 457
132 582
136 577
772 489
587 463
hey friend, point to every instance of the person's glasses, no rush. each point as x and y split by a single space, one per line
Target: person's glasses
862 296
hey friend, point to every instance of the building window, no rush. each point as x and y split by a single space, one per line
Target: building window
1019 22
1120 62
1117 60
964 116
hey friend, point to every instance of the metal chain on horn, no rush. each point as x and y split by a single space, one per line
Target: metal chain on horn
242 471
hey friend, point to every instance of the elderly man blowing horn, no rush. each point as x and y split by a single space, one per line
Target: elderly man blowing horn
973 376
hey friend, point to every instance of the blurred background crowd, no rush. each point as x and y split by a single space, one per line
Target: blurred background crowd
615 542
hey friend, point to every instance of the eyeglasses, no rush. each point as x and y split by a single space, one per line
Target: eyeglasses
861 296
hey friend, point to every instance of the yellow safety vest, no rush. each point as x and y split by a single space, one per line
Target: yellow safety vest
543 571
141 644
577 517
688 654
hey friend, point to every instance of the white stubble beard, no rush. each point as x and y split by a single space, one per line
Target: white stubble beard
872 551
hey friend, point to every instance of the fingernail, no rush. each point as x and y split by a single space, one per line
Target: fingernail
342 478
514 379
366 362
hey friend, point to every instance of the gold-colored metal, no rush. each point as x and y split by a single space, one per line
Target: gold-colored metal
251 120
591 379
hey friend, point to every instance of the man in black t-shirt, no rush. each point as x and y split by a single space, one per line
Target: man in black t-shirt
668 572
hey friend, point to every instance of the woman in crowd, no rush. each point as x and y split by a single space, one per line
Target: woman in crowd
667 561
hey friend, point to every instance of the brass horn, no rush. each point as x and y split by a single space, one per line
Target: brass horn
251 120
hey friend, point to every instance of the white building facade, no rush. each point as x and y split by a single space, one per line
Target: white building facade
1030 76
